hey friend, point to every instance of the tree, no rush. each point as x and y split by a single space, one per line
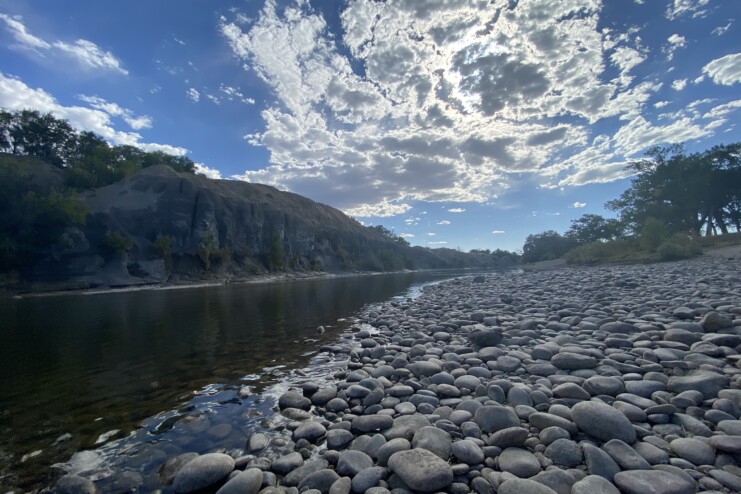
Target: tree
546 246
594 228
697 193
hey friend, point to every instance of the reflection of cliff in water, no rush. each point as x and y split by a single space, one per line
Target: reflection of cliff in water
86 365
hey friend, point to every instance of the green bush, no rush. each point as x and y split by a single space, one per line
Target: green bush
117 243
653 233
678 247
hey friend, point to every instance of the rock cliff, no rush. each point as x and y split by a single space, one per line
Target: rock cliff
163 226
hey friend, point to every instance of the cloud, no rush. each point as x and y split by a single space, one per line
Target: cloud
578 205
438 102
16 95
721 30
21 34
431 234
84 51
456 210
406 235
440 242
724 70
674 42
443 222
193 94
498 232
679 84
679 8
91 55
114 110
212 173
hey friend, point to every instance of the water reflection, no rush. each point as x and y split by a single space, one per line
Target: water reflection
87 364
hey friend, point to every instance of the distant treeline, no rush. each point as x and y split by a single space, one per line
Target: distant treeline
674 199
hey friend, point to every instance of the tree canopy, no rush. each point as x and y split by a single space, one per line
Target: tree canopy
698 193
87 159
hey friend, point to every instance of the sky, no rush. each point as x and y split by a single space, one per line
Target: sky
455 123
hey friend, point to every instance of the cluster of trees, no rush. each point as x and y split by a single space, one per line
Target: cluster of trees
672 194
87 159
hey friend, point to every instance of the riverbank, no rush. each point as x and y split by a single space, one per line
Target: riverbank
575 380
256 279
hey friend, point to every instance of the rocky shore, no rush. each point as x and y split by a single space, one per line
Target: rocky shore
573 381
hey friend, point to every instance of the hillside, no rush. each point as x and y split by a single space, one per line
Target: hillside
160 225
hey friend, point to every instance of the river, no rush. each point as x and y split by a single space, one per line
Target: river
76 370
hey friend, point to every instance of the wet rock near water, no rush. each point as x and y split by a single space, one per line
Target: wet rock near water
621 379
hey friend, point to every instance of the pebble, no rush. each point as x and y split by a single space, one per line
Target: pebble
421 469
603 421
519 462
203 471
653 482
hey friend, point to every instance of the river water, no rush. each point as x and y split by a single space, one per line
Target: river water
78 371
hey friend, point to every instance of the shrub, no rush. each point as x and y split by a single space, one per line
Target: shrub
653 233
677 247
117 243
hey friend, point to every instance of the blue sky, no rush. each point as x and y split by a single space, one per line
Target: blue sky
457 123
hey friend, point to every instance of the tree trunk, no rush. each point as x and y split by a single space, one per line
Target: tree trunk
721 222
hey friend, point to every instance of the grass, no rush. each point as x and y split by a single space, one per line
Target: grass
634 250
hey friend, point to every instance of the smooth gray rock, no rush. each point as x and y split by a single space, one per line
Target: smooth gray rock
707 382
564 453
294 399
422 469
559 480
311 431
599 462
287 463
370 423
603 421
338 438
296 476
573 361
433 439
693 450
393 446
494 418
367 478
257 442
351 462
341 486
524 486
171 466
511 436
74 484
594 484
625 456
652 482
544 420
203 471
321 480
519 462
467 451
247 482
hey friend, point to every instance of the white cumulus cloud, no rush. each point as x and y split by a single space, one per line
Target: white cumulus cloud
578 205
17 95
85 52
193 94
724 70
498 232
